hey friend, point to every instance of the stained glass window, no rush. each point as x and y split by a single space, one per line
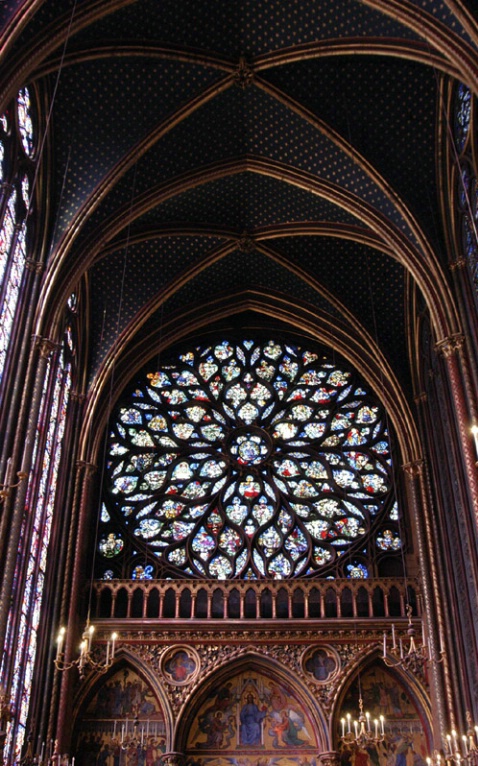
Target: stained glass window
41 502
467 184
246 460
13 230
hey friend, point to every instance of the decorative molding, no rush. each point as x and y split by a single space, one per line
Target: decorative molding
245 244
244 74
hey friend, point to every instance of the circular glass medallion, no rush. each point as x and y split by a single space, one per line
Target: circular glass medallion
249 447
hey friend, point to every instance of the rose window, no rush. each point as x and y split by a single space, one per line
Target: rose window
251 460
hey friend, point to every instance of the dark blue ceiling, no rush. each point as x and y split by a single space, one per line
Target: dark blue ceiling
254 122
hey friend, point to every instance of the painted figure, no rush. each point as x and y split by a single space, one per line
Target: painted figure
251 722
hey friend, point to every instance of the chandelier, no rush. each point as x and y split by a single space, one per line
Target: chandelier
359 731
85 661
409 655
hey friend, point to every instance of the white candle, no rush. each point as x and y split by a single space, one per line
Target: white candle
114 636
401 649
343 727
114 730
384 645
348 722
394 643
381 724
376 728
356 729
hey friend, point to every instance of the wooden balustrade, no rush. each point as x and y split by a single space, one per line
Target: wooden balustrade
246 599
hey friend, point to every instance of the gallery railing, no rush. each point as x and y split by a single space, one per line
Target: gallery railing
233 599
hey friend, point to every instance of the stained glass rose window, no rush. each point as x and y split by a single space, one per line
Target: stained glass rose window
247 459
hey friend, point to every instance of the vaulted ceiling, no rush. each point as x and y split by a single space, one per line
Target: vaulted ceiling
217 158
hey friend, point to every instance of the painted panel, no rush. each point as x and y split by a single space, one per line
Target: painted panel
405 742
252 720
123 724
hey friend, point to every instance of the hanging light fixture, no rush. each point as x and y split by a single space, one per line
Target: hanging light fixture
85 661
362 732
459 749
407 653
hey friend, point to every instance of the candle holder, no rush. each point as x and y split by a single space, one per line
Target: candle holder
359 731
85 661
410 657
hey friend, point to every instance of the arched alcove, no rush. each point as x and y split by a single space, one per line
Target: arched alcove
251 710
407 736
117 708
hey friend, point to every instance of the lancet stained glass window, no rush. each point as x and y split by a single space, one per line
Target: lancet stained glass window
13 232
246 460
467 182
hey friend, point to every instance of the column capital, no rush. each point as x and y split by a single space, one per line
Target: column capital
46 346
413 469
448 346
421 398
460 263
75 396
35 266
88 468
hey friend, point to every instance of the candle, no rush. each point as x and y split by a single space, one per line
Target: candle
376 728
453 734
114 636
343 727
356 729
91 630
424 638
142 735
59 642
474 431
401 649
394 643
122 734
448 741
367 716
384 644
382 731
465 747
108 653
114 730
348 722
42 751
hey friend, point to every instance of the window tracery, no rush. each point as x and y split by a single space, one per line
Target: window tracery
248 460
